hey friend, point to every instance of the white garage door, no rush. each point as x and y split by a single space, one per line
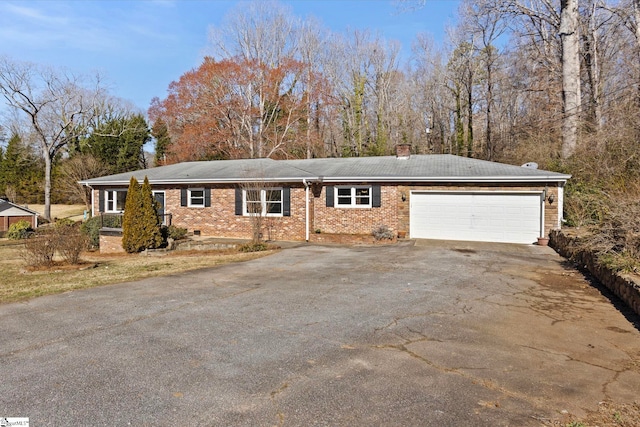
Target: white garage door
484 217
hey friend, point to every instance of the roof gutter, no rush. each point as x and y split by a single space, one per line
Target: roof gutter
543 178
350 179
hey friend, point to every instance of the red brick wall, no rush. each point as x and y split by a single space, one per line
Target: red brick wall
111 244
220 220
337 220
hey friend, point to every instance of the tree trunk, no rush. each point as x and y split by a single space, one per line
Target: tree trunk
470 112
570 76
47 184
592 65
636 14
489 105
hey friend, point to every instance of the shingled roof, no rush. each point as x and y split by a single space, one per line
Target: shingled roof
416 168
5 205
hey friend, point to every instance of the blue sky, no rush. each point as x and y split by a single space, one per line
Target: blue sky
142 46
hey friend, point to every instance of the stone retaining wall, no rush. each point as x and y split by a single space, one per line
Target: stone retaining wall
625 286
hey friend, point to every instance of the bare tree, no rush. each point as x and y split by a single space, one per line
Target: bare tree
556 37
78 168
571 95
58 105
485 23
313 55
628 14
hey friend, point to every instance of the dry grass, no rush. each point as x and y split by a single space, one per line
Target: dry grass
19 283
74 212
609 414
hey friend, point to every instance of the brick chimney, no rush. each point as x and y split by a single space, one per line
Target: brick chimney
403 151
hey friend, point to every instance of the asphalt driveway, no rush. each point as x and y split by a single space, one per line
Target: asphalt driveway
437 333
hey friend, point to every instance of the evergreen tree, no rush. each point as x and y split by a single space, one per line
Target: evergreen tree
140 224
150 234
163 140
118 143
131 241
21 173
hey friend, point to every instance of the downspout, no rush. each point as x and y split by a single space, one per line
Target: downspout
544 198
561 219
306 208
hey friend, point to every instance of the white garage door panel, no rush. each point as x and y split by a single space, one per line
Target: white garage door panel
491 217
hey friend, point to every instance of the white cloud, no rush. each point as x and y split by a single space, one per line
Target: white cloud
32 14
90 27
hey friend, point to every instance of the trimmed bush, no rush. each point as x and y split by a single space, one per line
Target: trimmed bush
176 233
19 230
91 228
140 224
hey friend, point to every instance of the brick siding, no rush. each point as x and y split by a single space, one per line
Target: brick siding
343 220
111 244
220 220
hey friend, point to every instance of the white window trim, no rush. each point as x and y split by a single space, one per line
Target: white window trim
192 205
111 198
353 204
263 202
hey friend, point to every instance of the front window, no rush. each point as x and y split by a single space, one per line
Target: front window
264 202
115 200
196 197
355 197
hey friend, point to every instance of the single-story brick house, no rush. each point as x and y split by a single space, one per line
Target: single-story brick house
417 196
10 213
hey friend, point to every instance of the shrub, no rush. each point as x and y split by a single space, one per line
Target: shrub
40 248
64 238
254 247
616 240
176 233
19 230
70 242
91 228
382 232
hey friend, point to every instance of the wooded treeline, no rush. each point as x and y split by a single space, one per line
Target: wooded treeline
279 86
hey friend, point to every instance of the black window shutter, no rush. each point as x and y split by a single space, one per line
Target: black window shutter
238 201
207 197
376 198
329 190
286 201
101 201
183 197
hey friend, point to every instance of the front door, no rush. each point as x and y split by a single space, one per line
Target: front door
158 196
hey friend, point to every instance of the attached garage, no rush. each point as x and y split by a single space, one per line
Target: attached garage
509 217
